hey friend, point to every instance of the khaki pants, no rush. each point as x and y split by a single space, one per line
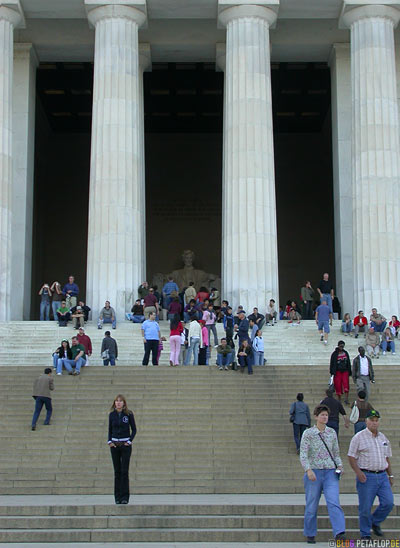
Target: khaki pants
147 311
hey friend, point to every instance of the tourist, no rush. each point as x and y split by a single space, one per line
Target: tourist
190 311
63 314
360 323
363 372
77 360
215 299
176 329
307 297
205 345
253 330
229 323
282 314
237 313
271 314
325 290
340 368
258 318
41 394
258 348
242 328
335 409
150 304
244 356
107 315
86 309
45 294
86 342
378 322
168 288
70 292
210 318
323 318
195 341
184 345
63 351
202 294
109 349
222 311
151 338
201 308
57 298
388 341
363 407
78 317
300 418
294 315
372 343
224 355
174 308
320 459
190 293
394 325
143 290
369 455
121 432
347 324
137 312
160 347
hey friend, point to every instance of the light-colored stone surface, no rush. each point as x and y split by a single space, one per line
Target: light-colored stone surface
9 18
376 151
249 234
24 98
116 201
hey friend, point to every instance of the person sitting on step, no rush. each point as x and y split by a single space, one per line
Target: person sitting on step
63 314
107 315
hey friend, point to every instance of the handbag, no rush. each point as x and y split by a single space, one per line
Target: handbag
355 414
106 354
293 414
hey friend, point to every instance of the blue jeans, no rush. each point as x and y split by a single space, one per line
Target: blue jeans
110 360
298 430
135 318
377 485
55 360
246 361
258 357
44 310
107 320
223 360
360 425
55 305
193 347
328 298
40 401
347 327
68 364
328 483
385 345
379 328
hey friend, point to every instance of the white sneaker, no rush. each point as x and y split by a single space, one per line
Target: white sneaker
226 368
59 373
393 353
384 352
325 342
220 368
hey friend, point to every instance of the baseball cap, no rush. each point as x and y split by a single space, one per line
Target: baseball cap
373 413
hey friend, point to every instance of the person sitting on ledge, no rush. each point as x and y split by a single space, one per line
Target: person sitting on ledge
245 357
63 314
294 314
347 324
394 325
78 359
271 314
372 342
360 323
388 341
224 355
378 322
78 317
190 311
257 318
107 315
136 315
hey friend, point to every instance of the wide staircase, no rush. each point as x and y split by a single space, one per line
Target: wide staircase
201 433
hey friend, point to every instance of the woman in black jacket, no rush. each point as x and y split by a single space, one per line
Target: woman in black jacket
245 357
121 431
340 368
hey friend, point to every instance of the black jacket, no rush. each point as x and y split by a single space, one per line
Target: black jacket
110 344
356 368
340 366
121 427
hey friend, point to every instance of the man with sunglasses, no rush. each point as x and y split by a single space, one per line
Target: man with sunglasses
369 454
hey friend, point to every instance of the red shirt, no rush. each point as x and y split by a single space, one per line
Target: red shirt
175 307
359 319
202 296
85 341
150 300
178 330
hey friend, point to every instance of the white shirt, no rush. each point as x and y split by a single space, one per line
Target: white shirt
364 368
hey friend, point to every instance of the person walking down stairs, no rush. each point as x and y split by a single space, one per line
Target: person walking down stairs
300 418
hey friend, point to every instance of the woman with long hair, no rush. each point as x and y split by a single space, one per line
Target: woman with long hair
176 328
63 351
121 431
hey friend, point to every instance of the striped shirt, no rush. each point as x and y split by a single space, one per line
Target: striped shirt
313 453
370 451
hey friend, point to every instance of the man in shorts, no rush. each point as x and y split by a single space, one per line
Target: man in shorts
323 318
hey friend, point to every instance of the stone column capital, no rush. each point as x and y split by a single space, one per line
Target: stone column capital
99 11
239 10
11 11
355 11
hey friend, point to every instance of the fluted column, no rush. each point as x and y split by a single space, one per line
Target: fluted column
375 161
249 234
116 201
8 20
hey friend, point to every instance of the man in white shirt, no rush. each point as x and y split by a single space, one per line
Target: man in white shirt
363 372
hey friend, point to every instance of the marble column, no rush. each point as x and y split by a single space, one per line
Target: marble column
116 201
249 233
339 63
9 18
24 99
376 157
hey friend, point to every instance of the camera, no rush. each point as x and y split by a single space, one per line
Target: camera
338 473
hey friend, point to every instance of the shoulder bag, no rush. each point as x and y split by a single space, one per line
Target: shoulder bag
355 414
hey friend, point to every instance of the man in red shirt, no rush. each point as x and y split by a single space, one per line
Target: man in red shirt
150 304
86 342
360 322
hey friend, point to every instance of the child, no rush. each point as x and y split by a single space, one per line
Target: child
258 348
160 348
203 353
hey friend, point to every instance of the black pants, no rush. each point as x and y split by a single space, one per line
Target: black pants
152 346
203 355
121 456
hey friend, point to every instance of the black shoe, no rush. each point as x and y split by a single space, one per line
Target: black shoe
340 536
46 424
310 540
377 530
356 337
366 538
124 502
33 427
117 502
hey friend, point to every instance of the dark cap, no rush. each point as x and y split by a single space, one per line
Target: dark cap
373 413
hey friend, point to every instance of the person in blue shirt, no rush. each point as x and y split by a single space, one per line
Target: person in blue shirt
71 292
323 318
243 327
168 288
151 338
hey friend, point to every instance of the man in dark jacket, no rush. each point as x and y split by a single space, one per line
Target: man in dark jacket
363 372
335 408
340 368
41 394
109 349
